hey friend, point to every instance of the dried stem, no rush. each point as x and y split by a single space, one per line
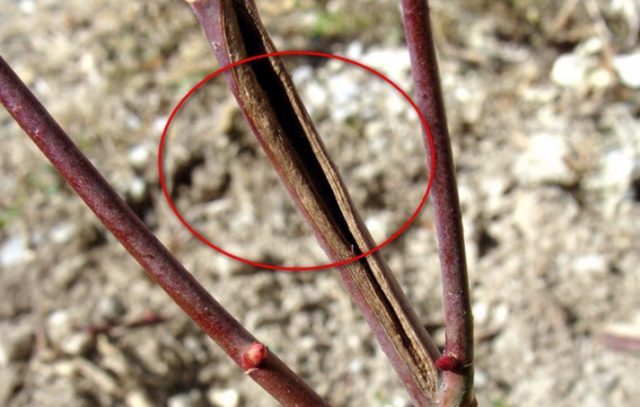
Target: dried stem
272 374
278 119
458 381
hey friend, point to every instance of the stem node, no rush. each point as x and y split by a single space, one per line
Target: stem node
252 358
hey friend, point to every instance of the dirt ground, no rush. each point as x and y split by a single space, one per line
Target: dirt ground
544 111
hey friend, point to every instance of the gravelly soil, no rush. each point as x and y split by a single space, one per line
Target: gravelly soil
546 133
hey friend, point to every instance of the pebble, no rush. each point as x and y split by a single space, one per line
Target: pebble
111 308
378 227
138 189
473 101
78 344
393 62
302 74
344 94
138 156
224 397
159 124
59 326
570 71
628 68
354 50
131 120
601 78
356 367
398 401
192 399
500 314
494 189
315 97
14 252
526 215
481 311
138 398
63 232
544 161
616 169
594 264
480 378
28 6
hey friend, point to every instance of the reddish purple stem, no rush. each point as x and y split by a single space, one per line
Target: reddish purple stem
273 375
458 386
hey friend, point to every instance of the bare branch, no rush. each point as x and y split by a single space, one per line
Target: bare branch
458 354
279 120
270 373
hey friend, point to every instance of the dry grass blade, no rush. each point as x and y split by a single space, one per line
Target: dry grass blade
271 104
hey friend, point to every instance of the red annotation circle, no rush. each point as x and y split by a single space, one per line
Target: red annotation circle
268 266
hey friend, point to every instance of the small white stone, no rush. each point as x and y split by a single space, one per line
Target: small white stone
628 68
66 368
601 78
398 401
355 366
28 6
481 313
14 252
138 398
617 168
78 344
378 228
192 399
138 156
526 215
354 50
87 62
159 124
302 74
224 397
59 326
494 188
110 308
480 378
389 61
63 232
500 314
138 189
315 97
132 121
544 161
570 70
591 46
591 264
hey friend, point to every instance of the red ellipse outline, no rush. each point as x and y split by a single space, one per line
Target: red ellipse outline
282 53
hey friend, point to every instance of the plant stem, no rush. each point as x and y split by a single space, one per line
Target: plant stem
268 99
273 375
458 383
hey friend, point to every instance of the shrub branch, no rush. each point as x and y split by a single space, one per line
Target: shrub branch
458 355
270 103
269 372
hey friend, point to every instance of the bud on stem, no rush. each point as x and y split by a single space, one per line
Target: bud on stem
256 353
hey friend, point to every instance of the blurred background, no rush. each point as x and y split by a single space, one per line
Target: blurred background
543 108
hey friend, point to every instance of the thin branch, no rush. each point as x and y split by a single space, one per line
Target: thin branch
271 373
268 99
458 354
